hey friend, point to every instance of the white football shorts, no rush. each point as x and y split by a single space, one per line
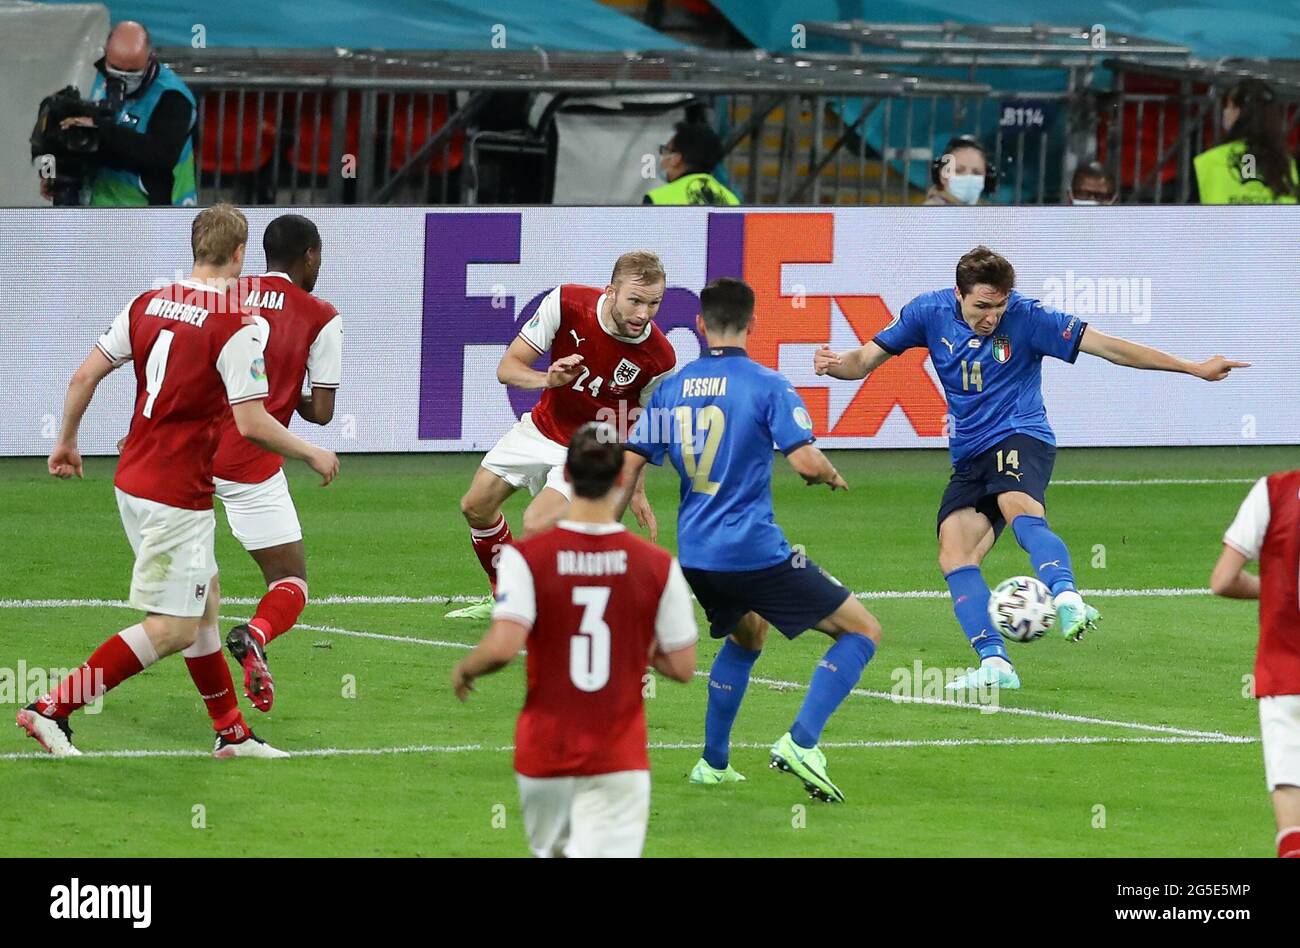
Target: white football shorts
175 559
1279 727
524 457
599 817
260 515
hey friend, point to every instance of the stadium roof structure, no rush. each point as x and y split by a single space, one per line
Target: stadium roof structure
1282 74
701 72
416 24
1020 46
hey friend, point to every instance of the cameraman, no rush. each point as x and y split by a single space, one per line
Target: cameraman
147 155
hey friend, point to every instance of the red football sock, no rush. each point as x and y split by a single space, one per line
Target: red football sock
488 543
279 609
211 676
1288 843
120 657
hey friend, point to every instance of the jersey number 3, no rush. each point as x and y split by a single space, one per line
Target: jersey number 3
589 648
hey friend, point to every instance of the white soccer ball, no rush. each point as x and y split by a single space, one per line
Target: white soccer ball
1021 608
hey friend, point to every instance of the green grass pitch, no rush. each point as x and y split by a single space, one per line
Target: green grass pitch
1138 742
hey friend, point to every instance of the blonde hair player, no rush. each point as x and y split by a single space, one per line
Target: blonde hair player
607 356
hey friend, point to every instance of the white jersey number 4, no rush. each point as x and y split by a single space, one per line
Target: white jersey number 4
589 648
155 368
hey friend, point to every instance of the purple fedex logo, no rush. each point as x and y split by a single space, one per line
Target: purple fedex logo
453 319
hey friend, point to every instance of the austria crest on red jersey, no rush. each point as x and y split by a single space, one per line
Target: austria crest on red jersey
626 372
1002 348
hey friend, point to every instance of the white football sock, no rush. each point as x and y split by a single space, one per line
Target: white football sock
1069 596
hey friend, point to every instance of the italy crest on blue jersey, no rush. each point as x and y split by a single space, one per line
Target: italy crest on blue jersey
993 384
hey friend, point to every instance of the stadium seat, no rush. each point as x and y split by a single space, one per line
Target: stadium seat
310 151
414 122
225 145
1151 141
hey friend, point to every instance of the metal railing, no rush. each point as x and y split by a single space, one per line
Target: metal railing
1159 117
436 127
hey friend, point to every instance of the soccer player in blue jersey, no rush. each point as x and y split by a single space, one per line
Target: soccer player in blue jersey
717 421
987 343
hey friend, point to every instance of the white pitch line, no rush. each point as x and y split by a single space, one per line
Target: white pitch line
999 709
860 692
334 630
1151 481
683 745
1158 592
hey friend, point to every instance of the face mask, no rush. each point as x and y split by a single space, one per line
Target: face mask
966 188
131 81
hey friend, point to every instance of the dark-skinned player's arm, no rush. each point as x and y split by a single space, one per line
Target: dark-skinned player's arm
1137 356
516 368
497 649
853 364
317 406
65 459
815 468
325 373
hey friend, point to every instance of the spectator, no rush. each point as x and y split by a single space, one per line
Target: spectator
960 174
147 157
1091 184
1251 165
687 161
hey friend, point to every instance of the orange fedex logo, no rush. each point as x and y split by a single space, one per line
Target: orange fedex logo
755 247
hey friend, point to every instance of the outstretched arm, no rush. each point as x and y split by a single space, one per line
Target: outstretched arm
1137 356
854 364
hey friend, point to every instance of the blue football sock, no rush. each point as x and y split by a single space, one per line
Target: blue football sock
1047 553
970 602
728 680
832 680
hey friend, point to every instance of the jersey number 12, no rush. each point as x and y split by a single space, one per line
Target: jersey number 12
709 422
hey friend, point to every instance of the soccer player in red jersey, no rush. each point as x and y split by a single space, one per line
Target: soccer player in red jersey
195 351
1267 529
594 605
607 356
304 339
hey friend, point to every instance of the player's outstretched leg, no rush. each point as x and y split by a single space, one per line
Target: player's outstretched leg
124 654
488 533
856 632
970 603
728 680
1051 561
965 536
